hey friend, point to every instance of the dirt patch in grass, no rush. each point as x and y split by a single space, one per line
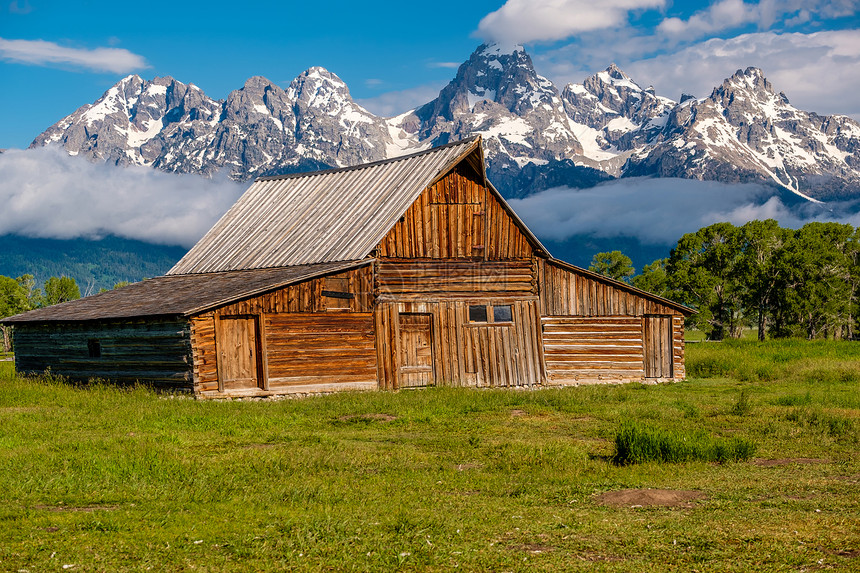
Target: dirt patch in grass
847 553
533 548
788 461
367 417
86 508
468 466
650 497
598 557
519 413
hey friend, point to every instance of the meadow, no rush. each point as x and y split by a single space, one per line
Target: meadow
100 478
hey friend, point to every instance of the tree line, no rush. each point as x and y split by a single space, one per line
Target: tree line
21 294
784 282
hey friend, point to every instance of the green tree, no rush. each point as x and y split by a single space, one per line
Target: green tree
757 271
60 289
653 278
15 298
117 285
704 274
816 291
614 264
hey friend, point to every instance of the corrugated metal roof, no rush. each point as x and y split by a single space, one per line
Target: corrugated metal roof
334 215
183 295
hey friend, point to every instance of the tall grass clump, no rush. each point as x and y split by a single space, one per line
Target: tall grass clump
636 444
818 419
742 407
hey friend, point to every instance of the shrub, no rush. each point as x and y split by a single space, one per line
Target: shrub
636 444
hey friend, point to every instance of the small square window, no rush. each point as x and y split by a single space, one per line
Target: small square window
502 313
94 348
477 313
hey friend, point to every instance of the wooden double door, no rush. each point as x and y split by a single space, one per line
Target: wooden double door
240 355
657 334
415 352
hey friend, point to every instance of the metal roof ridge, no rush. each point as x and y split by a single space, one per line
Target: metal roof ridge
465 141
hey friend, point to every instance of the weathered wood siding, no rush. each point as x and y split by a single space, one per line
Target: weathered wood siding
564 292
457 217
155 351
312 336
593 349
428 279
320 348
308 296
465 353
595 331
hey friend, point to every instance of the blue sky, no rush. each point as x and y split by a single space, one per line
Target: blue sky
57 55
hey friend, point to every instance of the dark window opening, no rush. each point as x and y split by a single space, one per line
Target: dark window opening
502 313
337 293
477 313
94 348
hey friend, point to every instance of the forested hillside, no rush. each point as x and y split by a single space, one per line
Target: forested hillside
94 264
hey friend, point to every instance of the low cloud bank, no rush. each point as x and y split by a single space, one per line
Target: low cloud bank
660 211
45 193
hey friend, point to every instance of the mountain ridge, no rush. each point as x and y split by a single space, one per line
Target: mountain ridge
535 135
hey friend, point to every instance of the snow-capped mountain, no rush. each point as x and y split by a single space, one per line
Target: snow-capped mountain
498 94
535 136
746 132
260 128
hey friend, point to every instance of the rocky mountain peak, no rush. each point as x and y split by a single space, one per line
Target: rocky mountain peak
611 100
494 73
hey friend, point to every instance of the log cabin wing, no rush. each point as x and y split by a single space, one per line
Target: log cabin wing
404 273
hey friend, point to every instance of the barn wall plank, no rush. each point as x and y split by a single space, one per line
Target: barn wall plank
593 349
155 351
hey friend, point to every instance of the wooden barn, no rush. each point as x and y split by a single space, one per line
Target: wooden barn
403 273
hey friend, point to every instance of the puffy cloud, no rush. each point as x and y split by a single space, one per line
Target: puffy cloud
49 54
522 21
819 72
660 211
722 15
46 193
729 14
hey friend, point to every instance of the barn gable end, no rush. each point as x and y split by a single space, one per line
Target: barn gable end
599 330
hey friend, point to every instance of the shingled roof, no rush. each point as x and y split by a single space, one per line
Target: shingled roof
326 216
180 295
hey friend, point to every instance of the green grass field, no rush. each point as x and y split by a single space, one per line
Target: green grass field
105 479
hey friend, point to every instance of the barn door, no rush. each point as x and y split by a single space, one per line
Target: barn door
657 331
238 343
416 350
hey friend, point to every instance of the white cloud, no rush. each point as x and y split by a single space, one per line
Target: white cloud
818 72
49 54
729 14
394 103
46 193
660 211
449 65
523 21
722 15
